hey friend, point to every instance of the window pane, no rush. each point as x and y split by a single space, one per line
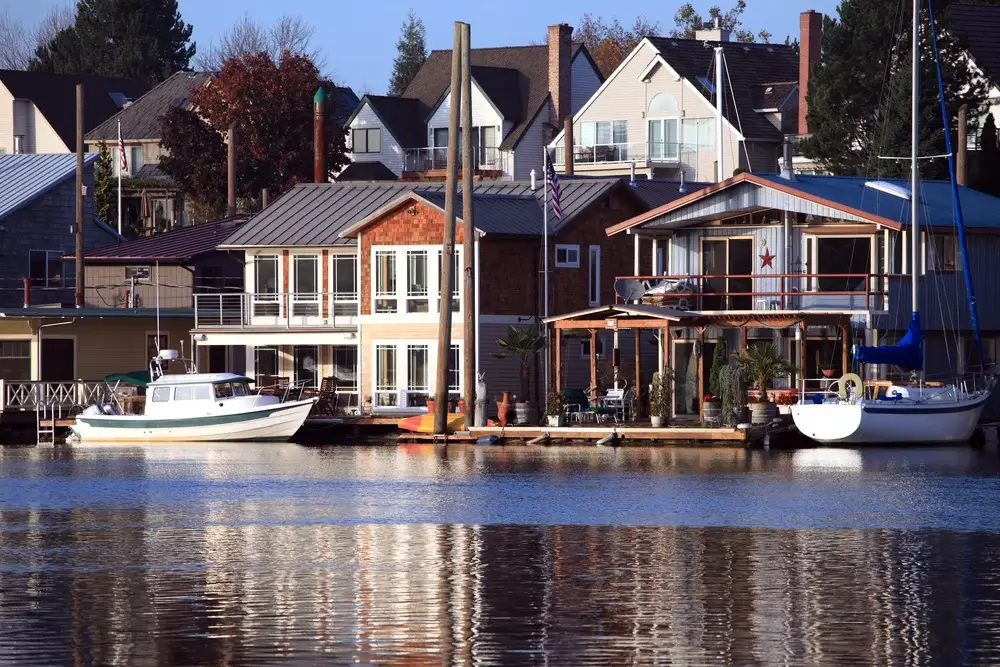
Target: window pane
843 256
306 278
455 370
374 140
37 266
441 136
305 364
588 134
345 367
385 375
184 393
417 287
604 132
345 274
266 362
359 141
202 392
223 390
385 281
620 132
706 134
266 274
595 275
161 394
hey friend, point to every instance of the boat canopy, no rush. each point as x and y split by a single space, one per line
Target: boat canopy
137 378
908 353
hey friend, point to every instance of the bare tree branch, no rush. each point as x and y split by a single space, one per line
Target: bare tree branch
19 41
290 33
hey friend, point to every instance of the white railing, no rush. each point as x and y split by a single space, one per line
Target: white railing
333 310
487 158
29 395
651 152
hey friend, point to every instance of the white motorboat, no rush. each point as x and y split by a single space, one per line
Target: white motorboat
916 412
194 407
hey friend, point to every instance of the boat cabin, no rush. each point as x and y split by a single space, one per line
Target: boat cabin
174 393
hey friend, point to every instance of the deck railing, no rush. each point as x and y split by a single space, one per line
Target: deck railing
486 158
334 310
769 291
29 395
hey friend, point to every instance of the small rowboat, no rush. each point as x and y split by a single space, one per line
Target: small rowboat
425 423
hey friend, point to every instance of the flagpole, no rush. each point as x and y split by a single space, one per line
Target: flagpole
120 178
545 263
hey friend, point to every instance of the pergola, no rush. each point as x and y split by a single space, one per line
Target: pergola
638 318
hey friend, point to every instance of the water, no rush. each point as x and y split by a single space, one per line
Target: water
256 555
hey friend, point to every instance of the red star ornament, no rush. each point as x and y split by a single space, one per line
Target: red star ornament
766 259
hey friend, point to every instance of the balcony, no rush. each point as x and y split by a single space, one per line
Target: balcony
648 154
776 291
432 163
285 310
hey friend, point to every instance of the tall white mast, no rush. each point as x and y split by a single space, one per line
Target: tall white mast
914 155
719 172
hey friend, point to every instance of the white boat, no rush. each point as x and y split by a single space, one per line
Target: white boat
194 407
913 413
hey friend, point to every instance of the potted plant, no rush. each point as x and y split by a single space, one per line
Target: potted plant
524 342
503 408
711 406
733 392
762 363
368 405
660 398
554 409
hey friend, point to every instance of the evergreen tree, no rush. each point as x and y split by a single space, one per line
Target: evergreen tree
859 92
411 53
688 20
720 359
132 39
105 201
987 175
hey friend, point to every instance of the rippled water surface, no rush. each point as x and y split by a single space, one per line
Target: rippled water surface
253 555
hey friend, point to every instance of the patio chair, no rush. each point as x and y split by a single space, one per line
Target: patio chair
600 411
574 402
326 405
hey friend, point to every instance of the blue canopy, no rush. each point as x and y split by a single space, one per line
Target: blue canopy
907 353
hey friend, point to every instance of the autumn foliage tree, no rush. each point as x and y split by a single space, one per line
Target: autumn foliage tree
271 105
609 42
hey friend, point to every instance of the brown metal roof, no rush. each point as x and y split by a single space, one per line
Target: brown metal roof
178 245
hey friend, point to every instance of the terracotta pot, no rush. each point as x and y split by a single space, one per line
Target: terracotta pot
503 409
461 406
828 372
430 405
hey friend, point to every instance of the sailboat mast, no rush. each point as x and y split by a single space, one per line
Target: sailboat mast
914 155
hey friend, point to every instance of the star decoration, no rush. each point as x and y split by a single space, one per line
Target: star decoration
766 259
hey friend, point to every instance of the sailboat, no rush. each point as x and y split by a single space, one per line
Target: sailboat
918 411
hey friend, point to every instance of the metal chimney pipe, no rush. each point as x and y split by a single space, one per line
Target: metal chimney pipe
533 183
319 136
264 197
631 173
786 163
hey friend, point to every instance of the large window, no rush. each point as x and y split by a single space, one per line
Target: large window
45 268
842 262
698 134
345 285
306 364
345 368
305 299
15 360
942 251
385 281
662 137
265 365
417 283
604 141
411 275
366 140
417 374
456 281
265 285
386 389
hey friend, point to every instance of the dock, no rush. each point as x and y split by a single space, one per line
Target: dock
618 434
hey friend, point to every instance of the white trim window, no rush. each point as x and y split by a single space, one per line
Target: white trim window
455 373
305 364
661 135
567 256
417 375
594 276
305 278
266 287
386 389
404 373
386 299
345 285
45 268
417 282
366 140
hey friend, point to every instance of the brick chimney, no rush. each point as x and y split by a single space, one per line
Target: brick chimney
810 35
560 54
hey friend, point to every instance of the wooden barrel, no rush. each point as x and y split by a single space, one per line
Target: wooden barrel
711 412
763 413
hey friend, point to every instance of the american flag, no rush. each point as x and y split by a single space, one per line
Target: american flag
553 183
121 149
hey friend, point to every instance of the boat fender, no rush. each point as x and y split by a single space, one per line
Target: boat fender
842 384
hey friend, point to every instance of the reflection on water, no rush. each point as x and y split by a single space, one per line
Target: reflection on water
234 555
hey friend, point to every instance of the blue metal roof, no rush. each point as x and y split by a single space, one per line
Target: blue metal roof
979 210
25 177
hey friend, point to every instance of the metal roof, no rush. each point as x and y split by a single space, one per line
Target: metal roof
27 176
178 245
315 214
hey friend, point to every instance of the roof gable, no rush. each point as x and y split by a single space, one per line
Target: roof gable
402 117
142 119
54 95
26 177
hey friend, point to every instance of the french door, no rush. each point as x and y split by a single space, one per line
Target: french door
727 265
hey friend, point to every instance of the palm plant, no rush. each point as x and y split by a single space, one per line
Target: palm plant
523 342
762 362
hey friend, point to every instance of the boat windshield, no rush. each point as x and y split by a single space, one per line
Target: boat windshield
231 389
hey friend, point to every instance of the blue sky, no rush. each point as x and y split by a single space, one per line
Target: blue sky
358 38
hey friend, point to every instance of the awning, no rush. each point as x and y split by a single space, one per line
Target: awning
137 378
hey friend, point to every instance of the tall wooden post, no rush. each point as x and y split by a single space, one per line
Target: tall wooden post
469 230
593 361
558 355
962 148
448 243
844 350
319 136
802 352
636 333
231 170
80 274
701 372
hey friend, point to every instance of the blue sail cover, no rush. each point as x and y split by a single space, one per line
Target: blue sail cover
907 353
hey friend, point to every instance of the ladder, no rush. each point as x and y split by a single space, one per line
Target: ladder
46 416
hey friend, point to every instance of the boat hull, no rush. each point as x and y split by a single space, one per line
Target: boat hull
883 422
277 422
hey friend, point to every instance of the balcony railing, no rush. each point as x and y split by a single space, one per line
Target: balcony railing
329 310
652 152
775 291
433 159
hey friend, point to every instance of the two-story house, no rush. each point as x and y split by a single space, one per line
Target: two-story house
521 95
657 111
38 111
343 280
815 264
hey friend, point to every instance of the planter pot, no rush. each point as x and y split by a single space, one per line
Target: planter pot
555 420
430 406
711 412
503 411
658 422
762 413
523 413
828 372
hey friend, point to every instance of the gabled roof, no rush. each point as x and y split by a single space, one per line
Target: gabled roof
772 95
343 102
141 119
402 117
178 245
531 90
366 171
748 65
315 214
26 177
850 196
55 97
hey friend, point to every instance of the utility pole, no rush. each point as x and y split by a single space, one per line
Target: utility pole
80 276
468 229
448 244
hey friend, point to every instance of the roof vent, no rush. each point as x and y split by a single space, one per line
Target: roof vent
769 90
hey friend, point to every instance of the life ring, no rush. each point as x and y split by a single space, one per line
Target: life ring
842 384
